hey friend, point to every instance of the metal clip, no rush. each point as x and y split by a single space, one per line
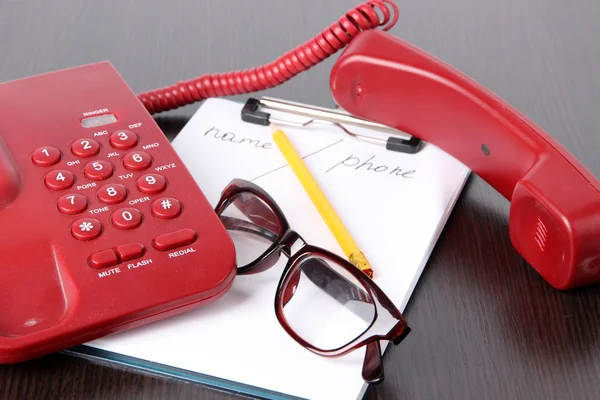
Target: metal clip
398 141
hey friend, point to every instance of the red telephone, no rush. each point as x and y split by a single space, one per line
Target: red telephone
102 228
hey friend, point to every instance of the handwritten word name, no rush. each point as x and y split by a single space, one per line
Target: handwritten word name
231 137
355 163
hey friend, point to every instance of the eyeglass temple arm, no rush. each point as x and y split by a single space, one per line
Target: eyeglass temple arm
372 371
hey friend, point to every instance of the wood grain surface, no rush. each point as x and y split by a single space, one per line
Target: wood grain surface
485 325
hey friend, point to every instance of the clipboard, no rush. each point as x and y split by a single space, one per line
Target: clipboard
396 140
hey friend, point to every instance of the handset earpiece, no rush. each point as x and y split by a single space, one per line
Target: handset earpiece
554 218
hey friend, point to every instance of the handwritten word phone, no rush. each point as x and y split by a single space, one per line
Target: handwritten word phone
102 228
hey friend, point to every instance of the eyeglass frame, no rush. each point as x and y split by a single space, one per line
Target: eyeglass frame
372 371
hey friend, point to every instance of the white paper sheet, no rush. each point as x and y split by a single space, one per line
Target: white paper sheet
395 206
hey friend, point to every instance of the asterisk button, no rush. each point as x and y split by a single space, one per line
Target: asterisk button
86 229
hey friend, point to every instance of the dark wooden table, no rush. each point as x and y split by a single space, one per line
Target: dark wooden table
485 324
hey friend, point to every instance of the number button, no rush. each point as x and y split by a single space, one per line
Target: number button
137 161
98 170
112 193
166 208
127 218
86 229
123 140
72 204
151 183
59 179
85 148
46 156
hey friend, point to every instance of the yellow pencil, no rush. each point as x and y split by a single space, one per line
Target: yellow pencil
317 196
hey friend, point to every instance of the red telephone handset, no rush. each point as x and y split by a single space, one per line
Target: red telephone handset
555 201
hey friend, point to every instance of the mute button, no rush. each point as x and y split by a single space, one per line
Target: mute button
104 259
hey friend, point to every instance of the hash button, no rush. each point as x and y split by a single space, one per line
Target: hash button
166 208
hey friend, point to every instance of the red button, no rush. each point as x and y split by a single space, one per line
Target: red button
104 259
166 207
151 183
85 148
59 179
130 251
137 161
86 229
98 170
127 218
72 204
123 139
46 156
112 193
175 239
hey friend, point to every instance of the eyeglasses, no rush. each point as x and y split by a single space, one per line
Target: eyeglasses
322 301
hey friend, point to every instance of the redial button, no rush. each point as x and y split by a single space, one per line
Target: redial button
173 240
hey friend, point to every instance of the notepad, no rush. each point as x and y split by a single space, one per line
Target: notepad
395 206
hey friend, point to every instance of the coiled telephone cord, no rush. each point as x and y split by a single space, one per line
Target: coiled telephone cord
335 37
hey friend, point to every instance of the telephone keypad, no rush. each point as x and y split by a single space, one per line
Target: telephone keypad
71 204
151 184
127 218
137 161
123 139
98 170
46 156
85 148
112 193
166 208
86 229
59 179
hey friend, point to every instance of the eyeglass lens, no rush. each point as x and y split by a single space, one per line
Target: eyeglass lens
252 225
325 305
